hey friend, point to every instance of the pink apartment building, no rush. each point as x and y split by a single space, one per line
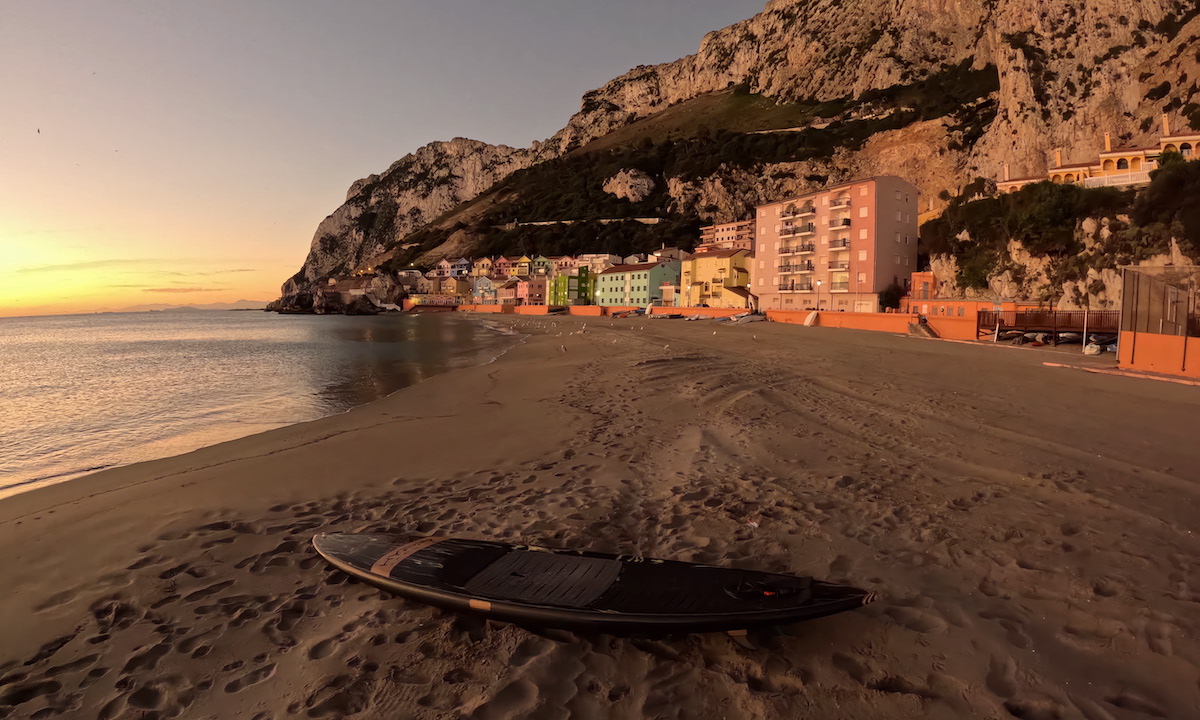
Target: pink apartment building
531 290
727 236
836 248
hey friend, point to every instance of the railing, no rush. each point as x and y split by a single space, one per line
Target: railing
842 265
845 203
798 230
839 286
800 212
795 286
839 244
843 224
1130 178
1104 321
718 281
797 267
806 248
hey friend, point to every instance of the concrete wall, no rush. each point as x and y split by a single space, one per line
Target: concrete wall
879 322
954 328
1168 354
586 310
706 311
533 309
480 308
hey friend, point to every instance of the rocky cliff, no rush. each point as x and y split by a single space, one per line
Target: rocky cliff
1066 70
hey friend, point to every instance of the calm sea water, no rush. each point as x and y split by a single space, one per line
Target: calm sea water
81 393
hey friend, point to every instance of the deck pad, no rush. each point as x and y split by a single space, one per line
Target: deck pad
580 589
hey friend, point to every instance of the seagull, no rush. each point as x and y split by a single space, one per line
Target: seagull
39 131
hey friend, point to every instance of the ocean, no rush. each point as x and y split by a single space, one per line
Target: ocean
80 393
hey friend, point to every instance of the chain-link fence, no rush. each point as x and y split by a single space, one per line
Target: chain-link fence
1161 300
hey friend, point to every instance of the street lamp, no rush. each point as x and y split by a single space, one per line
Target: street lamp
818 295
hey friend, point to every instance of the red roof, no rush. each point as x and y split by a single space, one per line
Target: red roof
629 268
719 253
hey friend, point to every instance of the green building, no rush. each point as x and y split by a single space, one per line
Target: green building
635 285
571 289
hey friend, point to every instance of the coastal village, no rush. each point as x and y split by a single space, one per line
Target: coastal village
844 255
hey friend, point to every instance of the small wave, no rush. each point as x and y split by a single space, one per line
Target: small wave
58 476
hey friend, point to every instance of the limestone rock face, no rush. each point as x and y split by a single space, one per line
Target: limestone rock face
632 185
384 208
1069 71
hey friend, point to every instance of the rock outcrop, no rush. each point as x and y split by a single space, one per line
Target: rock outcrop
632 185
1069 71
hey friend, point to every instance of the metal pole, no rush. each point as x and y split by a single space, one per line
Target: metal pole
1085 324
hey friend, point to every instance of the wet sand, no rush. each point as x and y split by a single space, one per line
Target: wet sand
1031 531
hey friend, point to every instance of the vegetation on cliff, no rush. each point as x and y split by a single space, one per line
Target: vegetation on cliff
1045 219
693 140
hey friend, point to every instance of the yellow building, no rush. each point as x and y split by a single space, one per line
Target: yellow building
717 278
1114 167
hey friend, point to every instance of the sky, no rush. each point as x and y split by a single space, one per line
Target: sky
184 152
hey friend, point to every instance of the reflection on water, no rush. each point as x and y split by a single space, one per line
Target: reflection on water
83 392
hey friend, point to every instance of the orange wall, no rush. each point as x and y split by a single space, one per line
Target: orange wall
480 308
954 328
533 309
1159 353
881 322
708 312
586 310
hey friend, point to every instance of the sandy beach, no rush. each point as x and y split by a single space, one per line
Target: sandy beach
1031 532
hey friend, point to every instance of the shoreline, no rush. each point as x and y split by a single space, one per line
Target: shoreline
14 489
1023 551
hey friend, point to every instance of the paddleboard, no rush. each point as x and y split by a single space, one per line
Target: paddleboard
582 590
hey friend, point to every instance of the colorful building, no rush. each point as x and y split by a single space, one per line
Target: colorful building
482 267
540 265
460 267
455 287
506 292
484 290
441 270
1113 167
503 266
564 264
717 278
638 285
837 248
522 266
571 289
737 235
597 263
531 290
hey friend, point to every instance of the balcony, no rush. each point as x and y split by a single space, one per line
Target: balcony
840 224
798 230
839 287
797 249
839 244
802 267
792 286
841 265
1125 179
840 203
800 212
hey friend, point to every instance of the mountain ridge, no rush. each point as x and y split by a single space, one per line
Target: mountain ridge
1068 72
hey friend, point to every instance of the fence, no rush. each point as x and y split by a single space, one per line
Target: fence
1105 321
1160 320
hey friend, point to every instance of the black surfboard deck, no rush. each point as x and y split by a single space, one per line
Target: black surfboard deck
582 590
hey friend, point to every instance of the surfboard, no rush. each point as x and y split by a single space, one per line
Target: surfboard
582 590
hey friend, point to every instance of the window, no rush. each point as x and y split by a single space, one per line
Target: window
862 277
897 259
906 239
899 216
862 234
862 255
862 191
825 200
961 311
760 282
897 237
762 264
777 226
905 262
862 212
897 194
